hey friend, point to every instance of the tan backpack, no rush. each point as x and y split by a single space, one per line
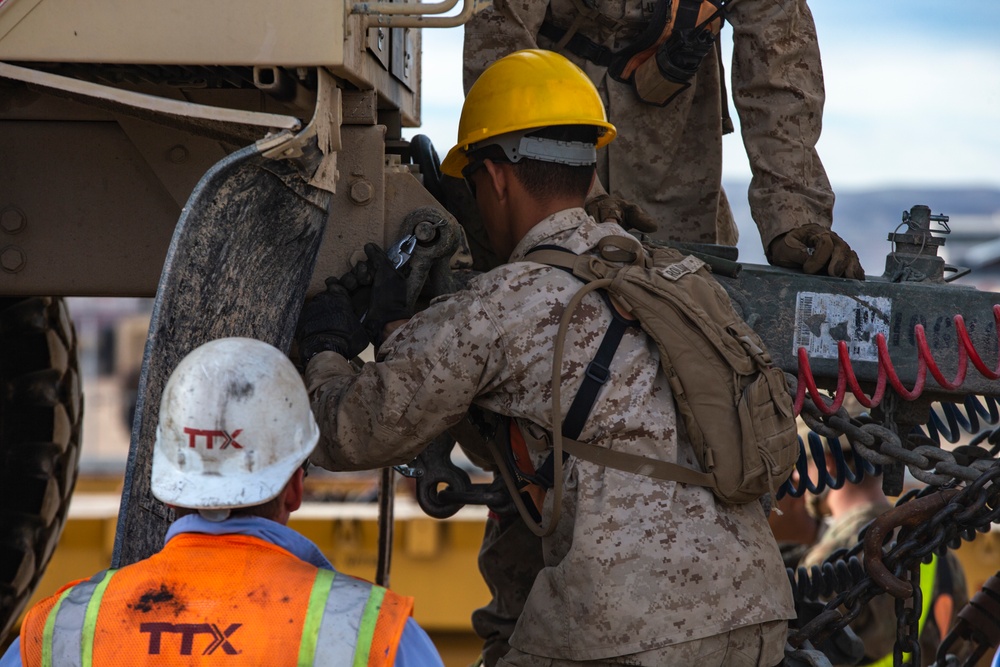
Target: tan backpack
735 405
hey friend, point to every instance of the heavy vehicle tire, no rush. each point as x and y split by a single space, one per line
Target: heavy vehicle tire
426 158
41 419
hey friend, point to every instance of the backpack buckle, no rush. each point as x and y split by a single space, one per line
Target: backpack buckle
597 373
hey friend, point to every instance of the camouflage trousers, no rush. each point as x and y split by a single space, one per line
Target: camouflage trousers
509 560
750 646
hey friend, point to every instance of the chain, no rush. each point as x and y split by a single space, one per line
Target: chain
908 620
972 508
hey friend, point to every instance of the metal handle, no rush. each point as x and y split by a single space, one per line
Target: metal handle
413 14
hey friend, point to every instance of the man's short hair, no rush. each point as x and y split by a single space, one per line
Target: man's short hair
546 180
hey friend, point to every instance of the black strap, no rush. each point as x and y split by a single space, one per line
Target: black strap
578 45
687 15
582 47
543 474
597 374
598 371
727 118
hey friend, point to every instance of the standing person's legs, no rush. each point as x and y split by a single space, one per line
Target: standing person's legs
509 560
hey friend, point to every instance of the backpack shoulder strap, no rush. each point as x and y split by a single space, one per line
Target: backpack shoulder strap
611 248
598 371
640 465
550 255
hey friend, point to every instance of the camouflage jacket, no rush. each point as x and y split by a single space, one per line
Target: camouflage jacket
669 159
634 563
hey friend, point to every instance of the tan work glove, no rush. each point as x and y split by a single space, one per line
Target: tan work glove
608 208
815 249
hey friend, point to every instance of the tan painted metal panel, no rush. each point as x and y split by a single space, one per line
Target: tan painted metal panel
179 32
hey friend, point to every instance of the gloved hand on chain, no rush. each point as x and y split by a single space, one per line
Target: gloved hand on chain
815 249
608 208
386 289
328 322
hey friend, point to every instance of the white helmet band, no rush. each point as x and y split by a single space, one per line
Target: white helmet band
516 146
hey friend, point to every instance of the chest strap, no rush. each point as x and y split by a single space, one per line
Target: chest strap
576 43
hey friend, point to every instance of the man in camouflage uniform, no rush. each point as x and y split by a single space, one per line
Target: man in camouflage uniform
853 507
668 159
636 571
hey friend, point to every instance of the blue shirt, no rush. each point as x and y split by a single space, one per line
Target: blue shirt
415 647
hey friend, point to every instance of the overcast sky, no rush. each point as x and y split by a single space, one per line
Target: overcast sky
913 93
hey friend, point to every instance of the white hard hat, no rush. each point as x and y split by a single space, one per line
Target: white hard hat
234 425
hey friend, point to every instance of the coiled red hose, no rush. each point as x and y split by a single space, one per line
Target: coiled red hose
887 375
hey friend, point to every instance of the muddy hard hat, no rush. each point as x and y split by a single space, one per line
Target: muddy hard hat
526 90
235 423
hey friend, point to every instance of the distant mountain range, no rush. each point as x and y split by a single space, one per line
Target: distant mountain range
866 217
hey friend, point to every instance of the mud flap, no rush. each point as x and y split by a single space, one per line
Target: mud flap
239 264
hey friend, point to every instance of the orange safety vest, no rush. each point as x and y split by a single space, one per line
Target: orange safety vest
208 597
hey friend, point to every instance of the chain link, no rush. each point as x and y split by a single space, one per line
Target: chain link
879 445
974 508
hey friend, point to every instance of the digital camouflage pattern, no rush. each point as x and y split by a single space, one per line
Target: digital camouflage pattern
669 159
750 646
634 563
876 626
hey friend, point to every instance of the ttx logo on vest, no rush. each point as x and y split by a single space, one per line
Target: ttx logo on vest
228 439
187 631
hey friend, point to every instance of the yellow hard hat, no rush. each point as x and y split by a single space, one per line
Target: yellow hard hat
526 90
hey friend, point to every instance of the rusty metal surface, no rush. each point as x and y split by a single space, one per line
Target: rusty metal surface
978 625
784 307
960 515
910 515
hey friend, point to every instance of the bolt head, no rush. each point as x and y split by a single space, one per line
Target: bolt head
178 154
12 259
362 191
12 219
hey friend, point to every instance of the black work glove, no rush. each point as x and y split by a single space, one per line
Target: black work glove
328 322
387 301
358 282
815 249
608 208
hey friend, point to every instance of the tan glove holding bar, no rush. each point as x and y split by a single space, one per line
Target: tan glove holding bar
815 249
